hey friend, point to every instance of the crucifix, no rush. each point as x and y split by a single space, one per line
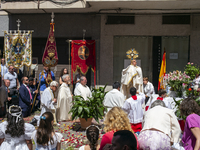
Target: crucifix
18 24
52 17
84 31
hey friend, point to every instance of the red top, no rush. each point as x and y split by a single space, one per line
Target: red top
107 139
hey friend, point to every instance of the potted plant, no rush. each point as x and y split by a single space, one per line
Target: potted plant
86 110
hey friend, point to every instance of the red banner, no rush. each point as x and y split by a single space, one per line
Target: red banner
50 56
83 56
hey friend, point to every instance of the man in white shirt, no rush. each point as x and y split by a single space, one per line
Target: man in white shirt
133 106
4 69
14 86
114 97
82 89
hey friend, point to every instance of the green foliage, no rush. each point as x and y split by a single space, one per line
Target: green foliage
91 108
69 148
191 70
178 112
189 92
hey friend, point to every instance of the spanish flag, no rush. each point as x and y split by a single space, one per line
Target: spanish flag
162 72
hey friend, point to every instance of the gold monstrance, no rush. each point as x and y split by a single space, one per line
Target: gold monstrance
132 54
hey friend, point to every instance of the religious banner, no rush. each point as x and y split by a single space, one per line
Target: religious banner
161 84
83 56
50 56
18 49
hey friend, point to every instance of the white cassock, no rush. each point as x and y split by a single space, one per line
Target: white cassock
113 98
131 77
64 102
148 91
134 108
166 100
48 103
83 91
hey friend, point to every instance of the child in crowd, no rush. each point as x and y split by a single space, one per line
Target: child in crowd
162 94
133 106
92 133
45 138
14 133
148 89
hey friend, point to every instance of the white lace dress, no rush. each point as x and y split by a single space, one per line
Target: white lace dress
15 143
56 138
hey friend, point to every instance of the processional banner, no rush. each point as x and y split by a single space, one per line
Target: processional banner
83 56
50 56
18 49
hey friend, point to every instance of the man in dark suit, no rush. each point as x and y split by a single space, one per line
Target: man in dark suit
25 97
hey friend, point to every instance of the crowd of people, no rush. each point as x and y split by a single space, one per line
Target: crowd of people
142 121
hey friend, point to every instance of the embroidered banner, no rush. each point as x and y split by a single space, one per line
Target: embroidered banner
18 49
83 56
50 56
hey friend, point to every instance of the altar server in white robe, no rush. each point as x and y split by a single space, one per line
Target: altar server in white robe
82 89
114 97
131 77
64 100
162 96
148 90
47 101
133 107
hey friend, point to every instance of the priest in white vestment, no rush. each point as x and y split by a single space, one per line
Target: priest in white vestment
64 100
47 102
114 98
131 77
82 89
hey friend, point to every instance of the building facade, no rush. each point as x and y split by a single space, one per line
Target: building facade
117 26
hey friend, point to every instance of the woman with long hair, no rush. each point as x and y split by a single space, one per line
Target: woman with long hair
45 138
191 134
63 71
92 134
14 133
116 119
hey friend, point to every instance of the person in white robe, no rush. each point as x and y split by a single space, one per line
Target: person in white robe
114 97
148 90
64 100
48 102
162 96
131 77
133 107
82 89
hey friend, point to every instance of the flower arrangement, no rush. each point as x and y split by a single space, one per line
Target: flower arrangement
191 70
176 79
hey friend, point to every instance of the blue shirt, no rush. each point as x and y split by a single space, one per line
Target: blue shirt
4 70
12 78
43 81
